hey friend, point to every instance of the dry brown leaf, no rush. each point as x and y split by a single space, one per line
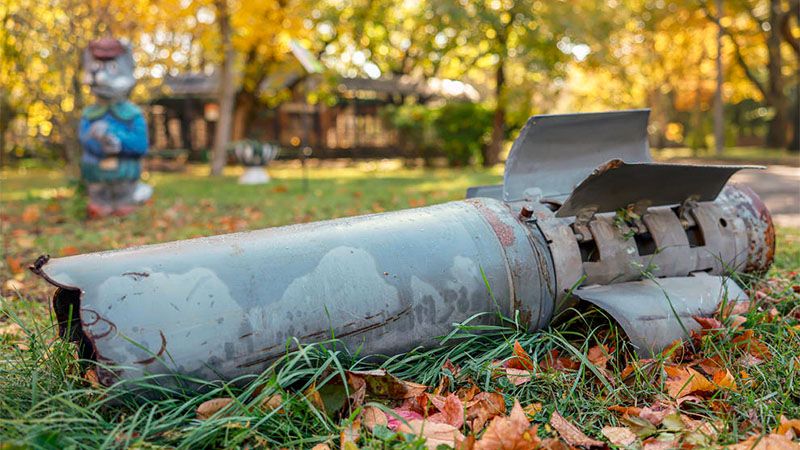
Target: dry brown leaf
737 321
210 407
659 444
599 355
521 360
31 214
571 434
768 442
14 265
13 285
626 410
789 427
272 403
435 434
518 377
656 413
484 406
350 434
532 409
91 377
322 446
313 396
620 436
710 365
380 384
552 361
69 250
724 379
749 343
708 323
509 433
683 381
372 416
451 410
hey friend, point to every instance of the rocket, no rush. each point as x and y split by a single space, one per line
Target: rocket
583 215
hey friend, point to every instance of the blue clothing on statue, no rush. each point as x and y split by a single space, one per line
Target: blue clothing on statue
126 122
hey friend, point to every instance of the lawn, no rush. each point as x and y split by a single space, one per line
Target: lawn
736 380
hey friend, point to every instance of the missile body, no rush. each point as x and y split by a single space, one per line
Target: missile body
225 306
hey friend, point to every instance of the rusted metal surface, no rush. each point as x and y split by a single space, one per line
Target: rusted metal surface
656 312
760 230
225 306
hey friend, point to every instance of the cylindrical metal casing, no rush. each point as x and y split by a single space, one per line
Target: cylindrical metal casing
224 306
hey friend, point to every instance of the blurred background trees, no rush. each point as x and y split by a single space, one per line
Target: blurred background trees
523 57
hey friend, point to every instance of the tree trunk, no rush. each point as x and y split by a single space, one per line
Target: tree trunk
227 91
243 114
776 136
491 155
719 108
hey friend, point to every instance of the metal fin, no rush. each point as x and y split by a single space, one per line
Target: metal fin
555 152
617 184
655 313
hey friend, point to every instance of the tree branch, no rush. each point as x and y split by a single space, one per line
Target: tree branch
737 49
786 29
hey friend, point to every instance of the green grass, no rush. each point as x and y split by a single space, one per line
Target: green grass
45 403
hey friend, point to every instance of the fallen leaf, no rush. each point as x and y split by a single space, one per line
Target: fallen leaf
521 360
380 384
91 377
372 416
710 365
789 427
641 427
518 377
749 343
708 323
484 406
350 434
13 285
619 436
656 413
767 442
571 434
599 356
737 321
272 403
451 410
627 410
724 379
666 442
31 214
69 250
210 407
552 361
532 409
14 265
507 433
393 423
683 381
728 309
322 446
435 434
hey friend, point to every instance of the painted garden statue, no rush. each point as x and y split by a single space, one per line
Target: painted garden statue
113 132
